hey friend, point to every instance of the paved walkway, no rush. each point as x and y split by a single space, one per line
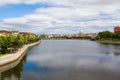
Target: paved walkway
14 56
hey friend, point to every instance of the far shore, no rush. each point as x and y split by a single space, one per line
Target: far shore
109 42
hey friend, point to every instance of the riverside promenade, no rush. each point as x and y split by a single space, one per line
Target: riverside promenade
10 58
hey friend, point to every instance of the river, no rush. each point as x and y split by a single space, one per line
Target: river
68 60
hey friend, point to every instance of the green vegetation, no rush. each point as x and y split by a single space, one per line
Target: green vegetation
66 37
2 55
107 36
81 37
9 44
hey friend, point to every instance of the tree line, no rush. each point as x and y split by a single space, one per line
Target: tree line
107 35
10 44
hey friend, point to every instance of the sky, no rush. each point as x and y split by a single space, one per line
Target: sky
59 16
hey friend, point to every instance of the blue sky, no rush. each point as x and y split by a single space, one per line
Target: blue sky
59 16
11 11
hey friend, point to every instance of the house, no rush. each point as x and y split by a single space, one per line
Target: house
81 34
14 33
27 34
4 33
117 29
91 34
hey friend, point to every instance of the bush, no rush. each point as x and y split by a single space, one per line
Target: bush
15 42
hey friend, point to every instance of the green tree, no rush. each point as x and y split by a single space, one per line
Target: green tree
104 35
116 35
12 43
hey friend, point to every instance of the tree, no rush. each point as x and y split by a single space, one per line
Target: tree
116 35
104 35
12 43
5 43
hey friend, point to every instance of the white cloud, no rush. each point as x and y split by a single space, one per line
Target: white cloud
66 15
81 61
5 2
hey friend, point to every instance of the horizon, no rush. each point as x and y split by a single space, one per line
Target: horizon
59 17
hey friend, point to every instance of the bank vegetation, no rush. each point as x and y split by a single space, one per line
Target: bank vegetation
107 36
11 43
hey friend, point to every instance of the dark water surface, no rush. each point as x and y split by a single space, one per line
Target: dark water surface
68 60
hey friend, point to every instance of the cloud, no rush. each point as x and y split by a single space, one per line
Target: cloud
76 60
65 15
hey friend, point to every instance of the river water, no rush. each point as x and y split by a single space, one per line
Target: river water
68 60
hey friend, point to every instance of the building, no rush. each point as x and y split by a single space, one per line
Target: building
91 34
81 34
117 29
14 33
27 34
4 33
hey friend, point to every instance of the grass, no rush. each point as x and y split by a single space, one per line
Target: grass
2 55
110 41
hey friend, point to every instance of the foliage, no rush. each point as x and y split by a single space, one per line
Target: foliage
116 35
107 35
81 37
13 42
104 35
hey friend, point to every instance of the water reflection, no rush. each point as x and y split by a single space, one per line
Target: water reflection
86 68
69 60
14 73
117 53
73 60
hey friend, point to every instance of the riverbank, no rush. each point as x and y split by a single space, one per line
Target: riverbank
9 58
110 42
